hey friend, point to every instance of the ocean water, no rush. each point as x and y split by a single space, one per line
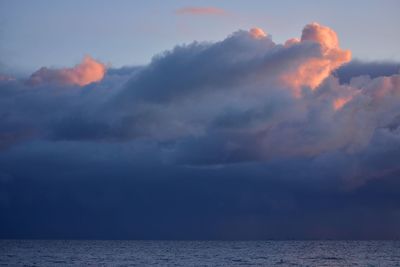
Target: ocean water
198 253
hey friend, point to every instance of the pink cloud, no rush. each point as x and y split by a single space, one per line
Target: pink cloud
257 33
340 102
314 70
88 71
200 11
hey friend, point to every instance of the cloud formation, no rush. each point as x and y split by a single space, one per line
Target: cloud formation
240 133
4 77
200 11
242 99
312 72
88 71
258 33
372 69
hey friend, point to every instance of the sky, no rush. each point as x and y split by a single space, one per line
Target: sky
52 33
199 120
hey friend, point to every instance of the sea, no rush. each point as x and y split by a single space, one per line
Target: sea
198 253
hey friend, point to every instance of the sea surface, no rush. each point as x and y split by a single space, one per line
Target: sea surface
198 253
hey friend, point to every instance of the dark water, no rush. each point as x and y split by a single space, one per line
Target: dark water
199 253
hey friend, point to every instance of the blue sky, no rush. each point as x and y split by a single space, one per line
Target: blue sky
58 33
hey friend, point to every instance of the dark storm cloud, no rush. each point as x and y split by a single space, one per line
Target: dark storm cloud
130 196
241 138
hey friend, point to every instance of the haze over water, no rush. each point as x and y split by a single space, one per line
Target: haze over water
199 253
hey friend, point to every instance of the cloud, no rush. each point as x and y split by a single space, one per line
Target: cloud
241 99
88 71
4 77
122 190
258 33
312 72
239 134
338 103
200 11
373 69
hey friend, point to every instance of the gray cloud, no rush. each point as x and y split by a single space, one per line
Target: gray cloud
238 100
225 140
372 69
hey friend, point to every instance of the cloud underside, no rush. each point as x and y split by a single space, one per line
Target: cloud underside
242 99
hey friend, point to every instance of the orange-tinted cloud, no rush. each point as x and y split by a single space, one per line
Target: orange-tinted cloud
320 34
200 11
292 41
338 103
313 71
257 33
88 71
